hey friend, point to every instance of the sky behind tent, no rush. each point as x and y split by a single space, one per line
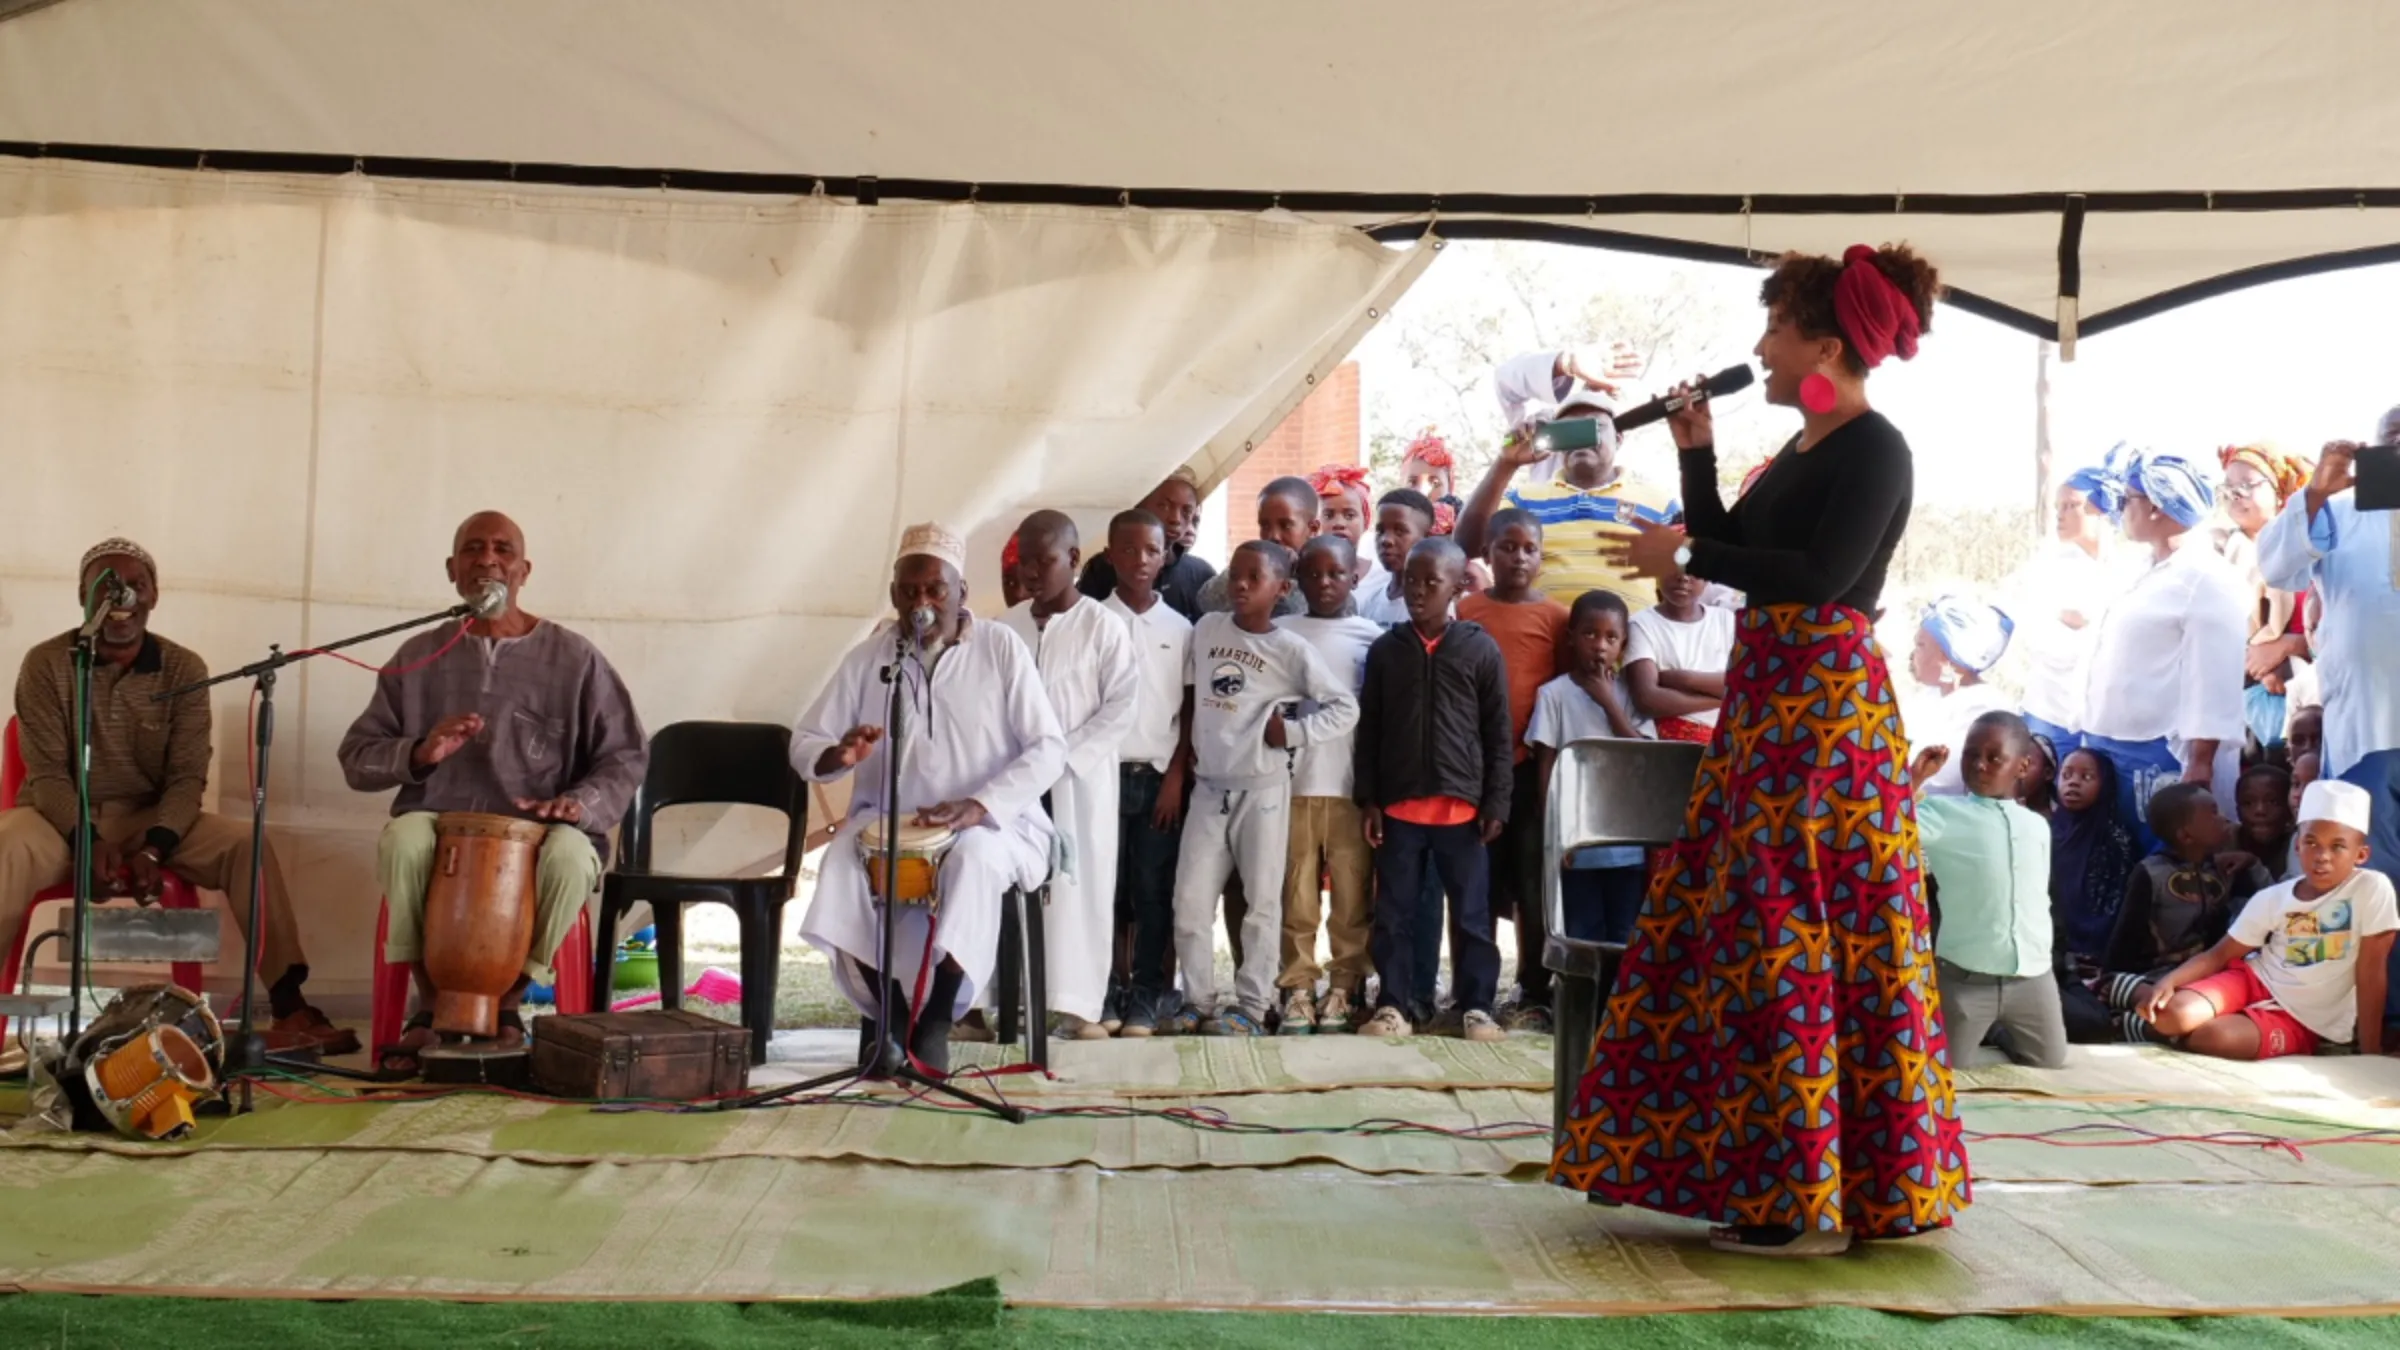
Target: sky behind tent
2296 363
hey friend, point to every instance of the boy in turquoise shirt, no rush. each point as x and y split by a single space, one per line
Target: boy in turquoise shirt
1991 858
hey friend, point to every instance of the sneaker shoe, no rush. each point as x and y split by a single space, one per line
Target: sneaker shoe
1299 1014
1450 1021
1533 1017
1073 1028
1334 1014
974 1029
1478 1025
1387 1022
1184 1021
1141 1018
1112 1012
1232 1022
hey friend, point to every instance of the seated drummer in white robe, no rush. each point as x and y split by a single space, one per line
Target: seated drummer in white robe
980 746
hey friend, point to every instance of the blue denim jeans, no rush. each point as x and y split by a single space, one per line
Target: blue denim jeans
1146 877
1456 852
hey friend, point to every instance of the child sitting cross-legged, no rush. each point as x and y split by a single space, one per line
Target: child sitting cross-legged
2180 902
1992 954
2304 964
1600 891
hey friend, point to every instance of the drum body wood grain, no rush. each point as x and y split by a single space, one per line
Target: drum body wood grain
479 906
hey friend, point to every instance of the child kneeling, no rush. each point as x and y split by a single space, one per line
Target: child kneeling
2304 964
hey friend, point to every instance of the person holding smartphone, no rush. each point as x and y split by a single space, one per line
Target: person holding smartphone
2350 555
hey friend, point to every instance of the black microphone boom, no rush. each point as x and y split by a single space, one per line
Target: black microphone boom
1731 379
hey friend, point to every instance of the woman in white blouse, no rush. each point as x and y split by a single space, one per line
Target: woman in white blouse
2164 696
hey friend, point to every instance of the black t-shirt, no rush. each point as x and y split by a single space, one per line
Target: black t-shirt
1817 528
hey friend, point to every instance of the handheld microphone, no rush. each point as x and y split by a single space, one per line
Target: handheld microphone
1729 380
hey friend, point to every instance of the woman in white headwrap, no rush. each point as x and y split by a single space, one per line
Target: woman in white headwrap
2164 697
1958 643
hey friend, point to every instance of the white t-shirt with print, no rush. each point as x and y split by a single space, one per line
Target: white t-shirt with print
2307 953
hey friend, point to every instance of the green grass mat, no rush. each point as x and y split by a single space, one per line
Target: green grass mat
973 1316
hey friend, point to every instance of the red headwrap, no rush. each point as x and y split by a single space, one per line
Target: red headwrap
1343 478
1429 450
1876 316
2289 473
1445 519
1008 555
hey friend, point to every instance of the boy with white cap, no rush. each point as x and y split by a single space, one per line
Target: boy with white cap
2304 964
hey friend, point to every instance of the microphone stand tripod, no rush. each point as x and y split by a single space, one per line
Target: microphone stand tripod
888 1057
79 974
246 1054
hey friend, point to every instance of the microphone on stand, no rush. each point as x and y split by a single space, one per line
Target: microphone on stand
921 622
114 595
1729 380
489 603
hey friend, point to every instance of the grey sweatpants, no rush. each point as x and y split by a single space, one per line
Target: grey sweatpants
1225 830
2033 1031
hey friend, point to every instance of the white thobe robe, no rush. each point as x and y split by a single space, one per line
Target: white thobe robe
1088 665
980 729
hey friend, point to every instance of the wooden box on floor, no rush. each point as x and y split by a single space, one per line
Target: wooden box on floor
670 1055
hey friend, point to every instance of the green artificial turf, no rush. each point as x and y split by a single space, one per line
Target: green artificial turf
973 1315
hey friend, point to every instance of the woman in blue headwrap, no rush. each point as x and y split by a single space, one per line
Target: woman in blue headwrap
2164 697
1958 643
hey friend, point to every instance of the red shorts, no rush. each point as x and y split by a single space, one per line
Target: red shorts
2237 988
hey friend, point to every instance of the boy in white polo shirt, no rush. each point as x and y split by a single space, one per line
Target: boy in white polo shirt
2304 963
1154 764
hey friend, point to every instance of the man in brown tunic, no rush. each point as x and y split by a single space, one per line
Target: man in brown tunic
149 774
517 717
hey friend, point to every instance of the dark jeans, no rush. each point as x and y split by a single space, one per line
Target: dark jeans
1146 876
1457 853
1517 881
1601 903
1427 945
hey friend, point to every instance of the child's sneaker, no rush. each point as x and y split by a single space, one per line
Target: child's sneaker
1232 1022
1334 1014
973 1029
1478 1025
1299 1014
1141 1018
1184 1021
1534 1017
1073 1028
1450 1021
1112 1011
1386 1022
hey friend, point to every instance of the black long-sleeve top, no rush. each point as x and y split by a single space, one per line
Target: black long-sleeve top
1435 723
1818 528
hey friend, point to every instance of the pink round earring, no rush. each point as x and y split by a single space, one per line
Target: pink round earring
1817 393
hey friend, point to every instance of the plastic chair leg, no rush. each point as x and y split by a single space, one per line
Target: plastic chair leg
15 960
1037 981
389 1006
604 956
667 917
571 968
761 956
1011 964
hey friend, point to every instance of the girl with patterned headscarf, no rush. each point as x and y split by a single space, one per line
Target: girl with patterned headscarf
2258 481
1959 641
2164 696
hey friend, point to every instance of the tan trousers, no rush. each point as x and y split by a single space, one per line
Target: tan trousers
215 856
1328 840
563 879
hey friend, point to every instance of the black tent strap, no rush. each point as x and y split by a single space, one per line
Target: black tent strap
1373 204
1450 209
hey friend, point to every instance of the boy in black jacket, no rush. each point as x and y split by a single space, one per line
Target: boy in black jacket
1433 770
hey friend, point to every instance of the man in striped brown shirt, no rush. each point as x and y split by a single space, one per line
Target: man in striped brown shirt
149 772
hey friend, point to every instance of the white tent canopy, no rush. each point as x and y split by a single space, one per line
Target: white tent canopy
2211 141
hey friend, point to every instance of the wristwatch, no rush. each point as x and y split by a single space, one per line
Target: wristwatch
1683 556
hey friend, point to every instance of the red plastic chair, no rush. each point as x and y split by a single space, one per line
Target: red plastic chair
173 893
571 973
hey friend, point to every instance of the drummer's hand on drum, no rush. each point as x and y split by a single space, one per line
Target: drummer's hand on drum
448 737
954 816
847 753
564 810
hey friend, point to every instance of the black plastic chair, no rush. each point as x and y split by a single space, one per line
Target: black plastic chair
1024 990
697 763
1602 792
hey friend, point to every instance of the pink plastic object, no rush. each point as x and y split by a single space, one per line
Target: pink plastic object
713 986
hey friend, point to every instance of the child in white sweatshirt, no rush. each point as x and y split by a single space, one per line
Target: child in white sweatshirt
1249 681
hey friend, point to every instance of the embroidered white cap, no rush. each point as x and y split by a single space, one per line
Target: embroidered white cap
2336 802
933 541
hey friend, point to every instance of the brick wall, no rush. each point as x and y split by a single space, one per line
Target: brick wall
1323 430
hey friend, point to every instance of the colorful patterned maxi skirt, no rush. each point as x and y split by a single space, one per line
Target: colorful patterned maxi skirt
1772 1053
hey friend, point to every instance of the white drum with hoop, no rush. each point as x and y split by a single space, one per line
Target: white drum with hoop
917 877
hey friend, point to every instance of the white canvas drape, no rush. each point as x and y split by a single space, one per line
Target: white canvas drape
711 416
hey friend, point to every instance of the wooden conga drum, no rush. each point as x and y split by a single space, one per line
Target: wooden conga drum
479 907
